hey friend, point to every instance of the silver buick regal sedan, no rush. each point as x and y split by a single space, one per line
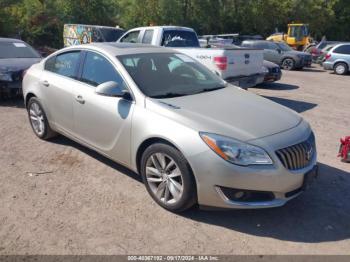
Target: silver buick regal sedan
193 138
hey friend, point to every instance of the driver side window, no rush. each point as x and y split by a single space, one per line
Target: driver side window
131 37
98 70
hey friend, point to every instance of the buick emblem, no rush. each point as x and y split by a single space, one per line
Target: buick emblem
309 151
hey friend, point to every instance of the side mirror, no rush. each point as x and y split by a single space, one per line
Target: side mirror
279 50
126 95
111 88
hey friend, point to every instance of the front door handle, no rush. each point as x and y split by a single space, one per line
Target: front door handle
45 83
80 99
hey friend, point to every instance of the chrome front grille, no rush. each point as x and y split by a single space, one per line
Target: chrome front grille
298 156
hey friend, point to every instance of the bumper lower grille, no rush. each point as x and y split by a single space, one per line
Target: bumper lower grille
298 156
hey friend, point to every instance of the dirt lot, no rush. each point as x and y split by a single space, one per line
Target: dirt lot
60 198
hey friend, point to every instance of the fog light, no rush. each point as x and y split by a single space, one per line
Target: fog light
239 194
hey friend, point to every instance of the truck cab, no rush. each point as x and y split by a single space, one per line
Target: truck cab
169 36
239 66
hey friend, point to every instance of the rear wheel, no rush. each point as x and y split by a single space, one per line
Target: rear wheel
341 68
38 120
168 177
288 64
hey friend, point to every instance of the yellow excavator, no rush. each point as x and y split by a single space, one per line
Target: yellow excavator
298 36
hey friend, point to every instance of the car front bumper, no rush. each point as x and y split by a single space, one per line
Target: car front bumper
273 76
304 62
9 89
213 174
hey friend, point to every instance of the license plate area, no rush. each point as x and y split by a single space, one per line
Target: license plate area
309 178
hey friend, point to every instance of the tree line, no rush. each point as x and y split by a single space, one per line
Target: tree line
40 22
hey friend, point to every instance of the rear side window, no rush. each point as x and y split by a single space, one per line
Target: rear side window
98 70
131 37
65 64
178 38
147 37
261 45
344 49
272 46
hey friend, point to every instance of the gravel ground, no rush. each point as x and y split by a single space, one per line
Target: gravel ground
60 198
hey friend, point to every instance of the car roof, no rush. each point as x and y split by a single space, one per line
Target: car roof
340 44
168 27
13 40
116 49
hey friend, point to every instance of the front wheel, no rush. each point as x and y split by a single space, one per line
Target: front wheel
341 68
168 177
288 64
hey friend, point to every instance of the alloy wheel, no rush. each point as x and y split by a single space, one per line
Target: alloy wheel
164 178
340 69
288 64
37 119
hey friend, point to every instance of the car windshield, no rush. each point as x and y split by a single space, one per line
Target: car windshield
165 75
17 50
284 47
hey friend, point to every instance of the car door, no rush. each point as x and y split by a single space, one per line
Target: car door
103 122
273 54
343 53
57 81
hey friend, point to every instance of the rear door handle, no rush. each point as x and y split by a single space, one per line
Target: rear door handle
45 83
80 99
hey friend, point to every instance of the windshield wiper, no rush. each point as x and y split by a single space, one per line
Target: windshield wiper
169 95
210 89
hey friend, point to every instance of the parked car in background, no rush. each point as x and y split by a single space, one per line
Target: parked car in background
192 137
338 59
272 70
15 57
76 34
281 54
239 66
318 50
227 39
321 58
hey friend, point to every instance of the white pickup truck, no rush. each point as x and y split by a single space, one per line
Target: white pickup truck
240 66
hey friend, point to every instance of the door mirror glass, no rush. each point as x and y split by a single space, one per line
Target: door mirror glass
109 88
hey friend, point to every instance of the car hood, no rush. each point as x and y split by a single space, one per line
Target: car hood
230 111
17 64
269 64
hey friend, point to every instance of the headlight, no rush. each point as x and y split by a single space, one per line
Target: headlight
4 76
264 69
235 151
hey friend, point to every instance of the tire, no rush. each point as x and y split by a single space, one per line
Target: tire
38 120
160 181
341 68
288 64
